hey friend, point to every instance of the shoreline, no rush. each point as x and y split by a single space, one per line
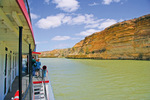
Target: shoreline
98 58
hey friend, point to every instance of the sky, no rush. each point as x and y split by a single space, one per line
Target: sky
59 24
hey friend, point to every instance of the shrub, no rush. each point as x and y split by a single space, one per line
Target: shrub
140 57
93 52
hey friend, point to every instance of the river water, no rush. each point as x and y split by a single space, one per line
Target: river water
86 79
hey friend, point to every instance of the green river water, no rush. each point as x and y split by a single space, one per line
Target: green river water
86 79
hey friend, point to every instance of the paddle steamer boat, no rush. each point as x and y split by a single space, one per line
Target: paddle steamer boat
17 39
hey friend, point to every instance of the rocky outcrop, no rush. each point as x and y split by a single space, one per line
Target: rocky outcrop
57 53
124 40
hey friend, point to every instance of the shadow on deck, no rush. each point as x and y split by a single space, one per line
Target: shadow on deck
15 86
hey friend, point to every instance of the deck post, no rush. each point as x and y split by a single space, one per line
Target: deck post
30 72
27 71
20 62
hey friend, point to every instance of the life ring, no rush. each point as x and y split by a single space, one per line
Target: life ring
16 97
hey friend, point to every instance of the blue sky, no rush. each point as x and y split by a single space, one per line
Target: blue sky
59 24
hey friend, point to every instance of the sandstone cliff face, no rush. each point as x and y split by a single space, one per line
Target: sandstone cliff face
57 53
125 40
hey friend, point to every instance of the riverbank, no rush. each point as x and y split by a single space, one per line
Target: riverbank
97 58
100 58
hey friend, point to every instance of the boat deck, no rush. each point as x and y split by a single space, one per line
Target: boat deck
40 88
15 86
39 80
25 83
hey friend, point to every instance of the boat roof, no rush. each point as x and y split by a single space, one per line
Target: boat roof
13 13
36 53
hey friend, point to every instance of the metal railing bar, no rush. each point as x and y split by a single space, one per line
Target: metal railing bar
26 92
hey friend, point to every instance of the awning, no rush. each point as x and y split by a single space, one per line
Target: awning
13 13
36 53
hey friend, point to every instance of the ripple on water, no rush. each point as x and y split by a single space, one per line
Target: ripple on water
81 79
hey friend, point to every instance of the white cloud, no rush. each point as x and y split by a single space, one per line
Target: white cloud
121 20
34 16
93 4
107 2
59 38
46 1
67 5
78 20
91 21
50 21
87 19
116 0
59 19
92 25
107 23
67 19
88 32
102 23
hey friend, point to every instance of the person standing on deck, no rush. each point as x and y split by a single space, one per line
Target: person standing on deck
38 64
33 66
44 71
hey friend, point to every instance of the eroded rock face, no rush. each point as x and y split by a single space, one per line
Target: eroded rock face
57 53
125 40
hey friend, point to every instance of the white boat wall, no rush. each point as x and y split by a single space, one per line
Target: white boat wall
13 14
8 68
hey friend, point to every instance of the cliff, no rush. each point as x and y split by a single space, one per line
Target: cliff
124 40
57 53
